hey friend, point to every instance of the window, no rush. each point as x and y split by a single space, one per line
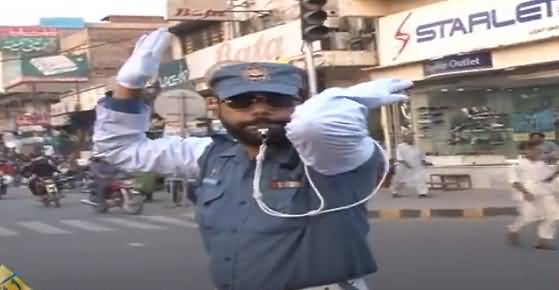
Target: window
203 37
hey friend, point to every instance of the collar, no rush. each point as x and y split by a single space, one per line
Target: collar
281 155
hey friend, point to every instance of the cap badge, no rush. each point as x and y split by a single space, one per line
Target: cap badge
255 73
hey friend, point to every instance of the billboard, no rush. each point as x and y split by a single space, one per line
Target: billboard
28 39
57 68
453 27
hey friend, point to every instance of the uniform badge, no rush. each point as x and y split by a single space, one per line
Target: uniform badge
284 184
255 73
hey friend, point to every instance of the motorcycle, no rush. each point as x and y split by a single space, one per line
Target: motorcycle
6 172
5 181
49 191
122 193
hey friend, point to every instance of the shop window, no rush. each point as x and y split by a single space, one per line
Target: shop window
484 120
203 37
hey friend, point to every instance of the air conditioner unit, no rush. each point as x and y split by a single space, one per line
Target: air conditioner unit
357 25
338 41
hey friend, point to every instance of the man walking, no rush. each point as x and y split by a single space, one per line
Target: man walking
410 168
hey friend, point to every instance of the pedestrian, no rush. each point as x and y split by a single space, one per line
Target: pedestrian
410 168
550 149
250 246
533 195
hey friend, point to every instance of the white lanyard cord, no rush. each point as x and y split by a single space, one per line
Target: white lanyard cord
257 192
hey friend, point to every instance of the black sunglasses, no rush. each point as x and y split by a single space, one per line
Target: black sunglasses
244 101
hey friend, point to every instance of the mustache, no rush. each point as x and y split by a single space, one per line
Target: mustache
264 122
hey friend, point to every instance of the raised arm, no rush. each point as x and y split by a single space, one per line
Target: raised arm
122 120
330 130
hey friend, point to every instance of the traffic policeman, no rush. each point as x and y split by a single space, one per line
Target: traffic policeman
248 248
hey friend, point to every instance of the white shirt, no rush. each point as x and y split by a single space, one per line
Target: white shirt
411 154
531 175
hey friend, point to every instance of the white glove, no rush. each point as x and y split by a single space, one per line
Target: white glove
374 94
144 62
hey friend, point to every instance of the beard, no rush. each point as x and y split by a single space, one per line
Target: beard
247 132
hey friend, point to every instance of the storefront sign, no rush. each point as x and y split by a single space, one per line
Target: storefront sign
458 63
173 75
207 10
33 120
455 26
268 45
27 31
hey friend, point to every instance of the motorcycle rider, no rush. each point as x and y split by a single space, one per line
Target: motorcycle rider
40 167
103 173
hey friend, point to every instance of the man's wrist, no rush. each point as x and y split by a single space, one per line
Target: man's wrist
124 93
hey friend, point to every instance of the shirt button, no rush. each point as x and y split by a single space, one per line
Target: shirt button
227 259
242 203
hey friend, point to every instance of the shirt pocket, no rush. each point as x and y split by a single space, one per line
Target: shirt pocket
209 203
286 201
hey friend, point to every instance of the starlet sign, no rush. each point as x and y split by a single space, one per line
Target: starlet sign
458 26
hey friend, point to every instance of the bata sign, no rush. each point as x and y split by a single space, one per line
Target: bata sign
455 26
272 44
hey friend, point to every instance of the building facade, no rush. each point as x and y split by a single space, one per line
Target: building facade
270 31
486 76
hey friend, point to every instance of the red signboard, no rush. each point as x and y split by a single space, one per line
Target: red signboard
33 119
27 31
202 13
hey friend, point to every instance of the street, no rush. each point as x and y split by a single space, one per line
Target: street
74 248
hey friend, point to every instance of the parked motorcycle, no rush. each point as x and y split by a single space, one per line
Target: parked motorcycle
121 193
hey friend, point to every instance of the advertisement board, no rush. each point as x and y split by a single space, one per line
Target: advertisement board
456 26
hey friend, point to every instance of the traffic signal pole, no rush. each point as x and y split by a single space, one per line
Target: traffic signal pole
312 29
310 67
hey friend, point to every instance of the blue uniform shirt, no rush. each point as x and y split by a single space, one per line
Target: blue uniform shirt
250 250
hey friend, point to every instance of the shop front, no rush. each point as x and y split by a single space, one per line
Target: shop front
481 87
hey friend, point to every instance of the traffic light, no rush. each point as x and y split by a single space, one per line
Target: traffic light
312 19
